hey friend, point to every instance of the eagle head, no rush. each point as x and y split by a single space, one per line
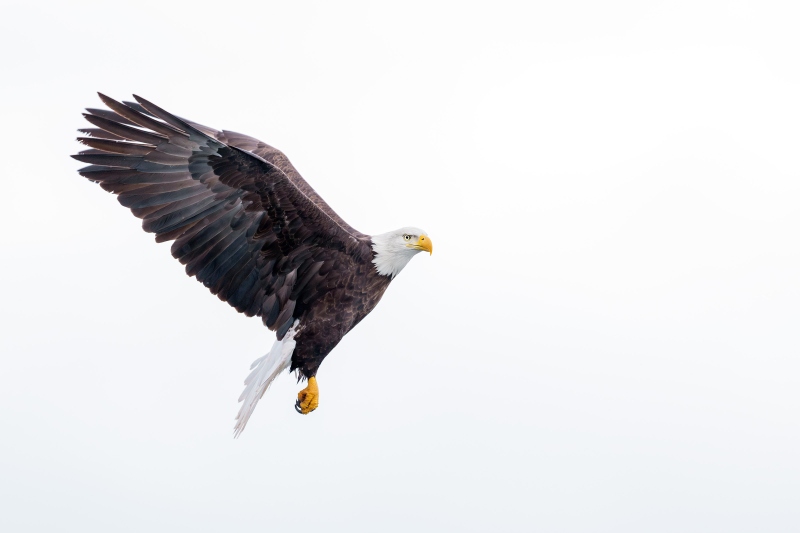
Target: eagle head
393 250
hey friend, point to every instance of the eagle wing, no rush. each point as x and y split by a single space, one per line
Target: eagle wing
245 223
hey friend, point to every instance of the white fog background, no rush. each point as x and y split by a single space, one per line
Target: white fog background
604 340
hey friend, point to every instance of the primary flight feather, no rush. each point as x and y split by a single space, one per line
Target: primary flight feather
251 229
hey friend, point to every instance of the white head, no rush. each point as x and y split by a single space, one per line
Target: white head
395 249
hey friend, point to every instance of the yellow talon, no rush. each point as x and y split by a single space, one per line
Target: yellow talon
308 398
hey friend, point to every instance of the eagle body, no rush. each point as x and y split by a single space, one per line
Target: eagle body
353 291
250 228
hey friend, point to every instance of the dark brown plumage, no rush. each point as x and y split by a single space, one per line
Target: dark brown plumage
244 222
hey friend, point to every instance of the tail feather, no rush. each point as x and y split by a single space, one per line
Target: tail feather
263 371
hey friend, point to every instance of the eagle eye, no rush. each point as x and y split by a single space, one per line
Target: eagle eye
406 236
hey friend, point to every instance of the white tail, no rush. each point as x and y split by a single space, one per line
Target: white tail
263 371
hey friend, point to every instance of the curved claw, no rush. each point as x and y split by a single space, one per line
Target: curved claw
297 407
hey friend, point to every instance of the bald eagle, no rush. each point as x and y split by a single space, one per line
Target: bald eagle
251 229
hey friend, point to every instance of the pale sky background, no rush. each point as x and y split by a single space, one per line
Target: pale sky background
605 339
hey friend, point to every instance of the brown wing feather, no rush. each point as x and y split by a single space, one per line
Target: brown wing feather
244 222
271 155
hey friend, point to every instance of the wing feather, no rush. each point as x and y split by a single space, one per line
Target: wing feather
243 221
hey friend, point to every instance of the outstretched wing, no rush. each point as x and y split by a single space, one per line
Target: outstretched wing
245 223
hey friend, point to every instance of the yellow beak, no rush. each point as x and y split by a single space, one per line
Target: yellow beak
424 243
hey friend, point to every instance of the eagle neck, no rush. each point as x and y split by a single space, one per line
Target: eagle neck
388 258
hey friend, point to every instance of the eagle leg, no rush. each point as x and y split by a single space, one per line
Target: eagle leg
308 398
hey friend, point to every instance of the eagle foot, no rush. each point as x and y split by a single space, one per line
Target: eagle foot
308 398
